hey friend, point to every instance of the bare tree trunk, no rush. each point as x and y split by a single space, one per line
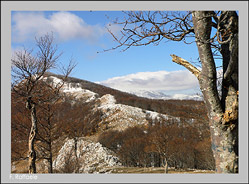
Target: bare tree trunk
166 165
32 135
76 157
222 113
50 170
50 160
223 121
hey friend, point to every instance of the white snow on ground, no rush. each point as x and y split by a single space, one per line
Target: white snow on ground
107 100
162 95
120 117
75 89
186 97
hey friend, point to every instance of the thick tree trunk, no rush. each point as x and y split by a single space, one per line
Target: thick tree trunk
223 120
32 135
228 26
224 146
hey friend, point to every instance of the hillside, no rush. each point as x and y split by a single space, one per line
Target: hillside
179 108
91 117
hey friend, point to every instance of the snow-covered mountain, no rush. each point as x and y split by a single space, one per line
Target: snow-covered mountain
162 95
150 94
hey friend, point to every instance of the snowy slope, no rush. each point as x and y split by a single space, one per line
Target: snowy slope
120 117
75 90
115 116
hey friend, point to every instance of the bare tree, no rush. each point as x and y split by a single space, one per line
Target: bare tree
27 71
144 28
47 132
165 141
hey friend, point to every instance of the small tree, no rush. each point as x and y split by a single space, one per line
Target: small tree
47 132
27 72
161 138
20 127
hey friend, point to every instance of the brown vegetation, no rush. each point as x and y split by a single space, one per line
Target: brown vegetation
178 108
182 147
134 146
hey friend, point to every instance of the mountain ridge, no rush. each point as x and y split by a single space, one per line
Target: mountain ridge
162 95
138 93
172 107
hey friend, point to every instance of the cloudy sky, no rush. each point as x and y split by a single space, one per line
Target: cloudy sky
82 34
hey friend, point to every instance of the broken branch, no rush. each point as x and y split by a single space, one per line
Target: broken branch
186 64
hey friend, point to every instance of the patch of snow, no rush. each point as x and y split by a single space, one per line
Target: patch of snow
162 95
107 100
92 98
56 81
186 97
152 115
119 116
75 89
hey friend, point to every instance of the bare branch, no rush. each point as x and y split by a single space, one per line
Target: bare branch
186 64
145 27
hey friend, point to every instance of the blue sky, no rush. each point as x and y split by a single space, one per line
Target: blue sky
81 34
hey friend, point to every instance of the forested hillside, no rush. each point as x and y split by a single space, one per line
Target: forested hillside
139 132
179 108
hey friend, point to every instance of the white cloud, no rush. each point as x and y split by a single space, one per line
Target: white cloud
65 25
26 25
154 81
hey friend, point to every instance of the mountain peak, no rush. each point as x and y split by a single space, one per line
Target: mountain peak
164 96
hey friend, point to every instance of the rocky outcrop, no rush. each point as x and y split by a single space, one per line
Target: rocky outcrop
84 156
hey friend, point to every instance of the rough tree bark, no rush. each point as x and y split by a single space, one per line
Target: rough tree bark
33 131
222 113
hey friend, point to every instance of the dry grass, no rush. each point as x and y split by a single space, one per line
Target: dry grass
159 170
21 167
